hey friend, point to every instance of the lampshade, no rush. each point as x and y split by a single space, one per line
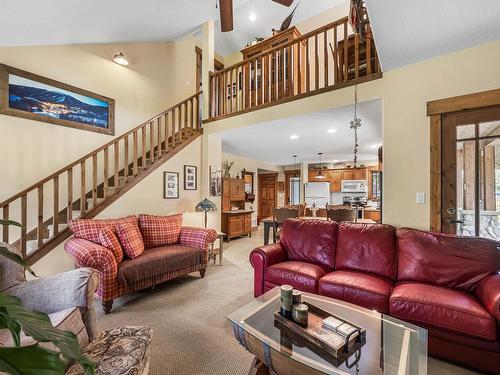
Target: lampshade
206 205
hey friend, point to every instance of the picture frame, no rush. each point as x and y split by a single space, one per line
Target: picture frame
34 97
190 177
215 180
170 185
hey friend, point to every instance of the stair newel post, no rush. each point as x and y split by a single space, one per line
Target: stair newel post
24 223
116 149
55 218
5 230
82 188
106 172
69 204
135 152
39 231
143 145
151 142
126 159
94 180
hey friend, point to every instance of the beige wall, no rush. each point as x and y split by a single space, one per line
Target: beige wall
404 94
256 166
146 197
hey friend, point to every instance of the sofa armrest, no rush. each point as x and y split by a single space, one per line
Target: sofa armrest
263 257
89 254
66 290
200 238
488 292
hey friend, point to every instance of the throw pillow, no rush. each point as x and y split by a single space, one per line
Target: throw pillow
89 229
160 230
131 239
108 239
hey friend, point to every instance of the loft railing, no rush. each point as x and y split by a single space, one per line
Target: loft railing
321 60
83 187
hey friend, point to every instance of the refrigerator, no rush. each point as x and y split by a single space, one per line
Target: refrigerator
317 193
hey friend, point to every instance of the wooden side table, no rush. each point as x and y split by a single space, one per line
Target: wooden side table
213 254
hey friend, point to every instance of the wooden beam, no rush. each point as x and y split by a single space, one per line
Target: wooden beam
459 103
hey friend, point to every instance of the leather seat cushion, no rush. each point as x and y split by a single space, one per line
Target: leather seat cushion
443 308
300 275
363 289
157 262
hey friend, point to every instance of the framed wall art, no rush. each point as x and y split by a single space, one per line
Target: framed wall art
215 180
170 185
190 177
30 96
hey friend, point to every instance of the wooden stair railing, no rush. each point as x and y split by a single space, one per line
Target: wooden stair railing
322 60
90 184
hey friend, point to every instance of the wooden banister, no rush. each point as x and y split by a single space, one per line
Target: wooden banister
97 175
320 60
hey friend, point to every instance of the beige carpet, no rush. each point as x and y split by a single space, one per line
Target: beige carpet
191 334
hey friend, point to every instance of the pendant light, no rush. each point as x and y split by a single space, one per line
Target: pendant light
355 125
320 176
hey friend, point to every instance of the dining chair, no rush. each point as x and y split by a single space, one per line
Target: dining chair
341 213
279 216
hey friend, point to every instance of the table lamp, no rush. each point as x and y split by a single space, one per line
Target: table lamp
206 206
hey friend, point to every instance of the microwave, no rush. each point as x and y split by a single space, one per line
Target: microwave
354 186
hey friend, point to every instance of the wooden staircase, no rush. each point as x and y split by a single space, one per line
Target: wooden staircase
87 186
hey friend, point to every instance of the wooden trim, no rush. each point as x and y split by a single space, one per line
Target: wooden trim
5 70
435 173
462 102
323 90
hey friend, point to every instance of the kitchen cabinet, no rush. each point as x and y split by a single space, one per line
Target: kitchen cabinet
359 174
347 174
335 178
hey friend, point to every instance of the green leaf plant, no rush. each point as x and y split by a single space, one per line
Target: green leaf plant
35 359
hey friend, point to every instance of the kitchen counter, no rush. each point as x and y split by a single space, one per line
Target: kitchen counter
239 212
371 209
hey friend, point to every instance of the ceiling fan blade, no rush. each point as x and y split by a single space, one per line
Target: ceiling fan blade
286 3
226 15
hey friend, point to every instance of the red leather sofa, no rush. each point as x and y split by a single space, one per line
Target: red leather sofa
446 284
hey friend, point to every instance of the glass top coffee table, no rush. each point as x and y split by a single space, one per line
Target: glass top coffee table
392 346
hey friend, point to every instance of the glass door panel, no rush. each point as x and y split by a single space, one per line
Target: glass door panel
489 184
465 191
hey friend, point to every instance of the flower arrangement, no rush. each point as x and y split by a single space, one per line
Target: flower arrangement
226 166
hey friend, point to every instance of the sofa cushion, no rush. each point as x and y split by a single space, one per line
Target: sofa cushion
310 241
363 289
108 239
300 275
11 273
367 247
444 308
160 230
89 229
445 260
131 239
158 264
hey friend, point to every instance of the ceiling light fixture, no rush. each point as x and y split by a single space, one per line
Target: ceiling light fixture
120 59
332 131
320 175
252 17
294 136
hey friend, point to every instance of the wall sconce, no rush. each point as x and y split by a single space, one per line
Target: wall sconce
120 59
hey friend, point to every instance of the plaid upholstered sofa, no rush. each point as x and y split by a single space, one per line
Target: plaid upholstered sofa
135 253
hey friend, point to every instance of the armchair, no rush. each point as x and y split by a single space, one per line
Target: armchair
67 298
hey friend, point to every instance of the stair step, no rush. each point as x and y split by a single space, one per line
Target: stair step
50 228
90 201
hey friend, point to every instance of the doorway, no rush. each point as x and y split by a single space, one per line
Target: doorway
267 195
470 200
292 187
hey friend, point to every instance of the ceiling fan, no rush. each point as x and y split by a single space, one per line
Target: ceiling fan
226 13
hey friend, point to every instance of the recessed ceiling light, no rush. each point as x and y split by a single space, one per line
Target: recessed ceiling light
375 145
332 130
294 136
120 59
252 17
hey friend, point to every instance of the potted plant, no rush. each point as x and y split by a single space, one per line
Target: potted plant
34 359
226 166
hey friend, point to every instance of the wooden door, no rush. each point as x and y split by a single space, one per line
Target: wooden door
470 151
267 195
335 178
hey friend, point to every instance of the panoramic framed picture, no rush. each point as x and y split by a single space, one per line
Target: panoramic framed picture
170 185
190 177
215 180
30 96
